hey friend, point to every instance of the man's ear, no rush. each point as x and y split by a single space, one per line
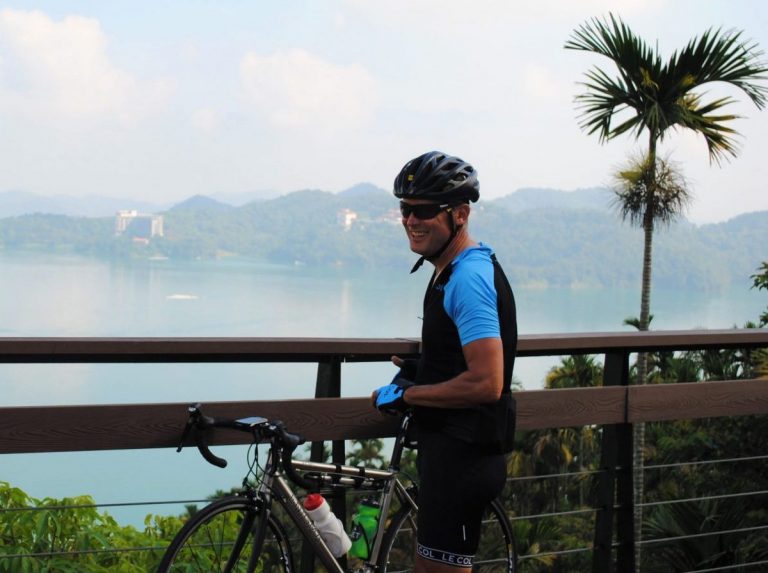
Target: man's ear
461 213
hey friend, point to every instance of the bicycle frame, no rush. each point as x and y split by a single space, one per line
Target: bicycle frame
385 481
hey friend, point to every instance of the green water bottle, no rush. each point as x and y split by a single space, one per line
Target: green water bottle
364 525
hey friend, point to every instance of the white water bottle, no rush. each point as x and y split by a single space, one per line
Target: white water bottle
330 527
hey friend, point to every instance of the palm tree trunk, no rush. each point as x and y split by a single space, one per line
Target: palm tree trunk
638 437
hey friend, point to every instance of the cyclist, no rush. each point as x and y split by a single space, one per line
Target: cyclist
459 388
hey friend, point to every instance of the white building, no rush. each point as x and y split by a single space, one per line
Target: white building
141 225
346 217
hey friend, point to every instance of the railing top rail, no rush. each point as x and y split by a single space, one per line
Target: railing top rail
128 426
238 349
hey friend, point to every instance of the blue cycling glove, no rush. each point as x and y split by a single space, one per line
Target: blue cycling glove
389 398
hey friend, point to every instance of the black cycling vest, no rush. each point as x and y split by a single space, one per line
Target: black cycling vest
442 358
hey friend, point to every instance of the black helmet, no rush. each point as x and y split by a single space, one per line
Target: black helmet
438 177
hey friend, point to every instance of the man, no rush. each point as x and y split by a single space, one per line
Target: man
459 389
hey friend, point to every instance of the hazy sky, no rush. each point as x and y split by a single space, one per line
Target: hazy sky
163 100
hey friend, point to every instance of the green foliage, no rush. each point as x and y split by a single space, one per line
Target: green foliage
573 451
760 282
71 535
551 246
577 371
709 536
642 189
660 95
367 452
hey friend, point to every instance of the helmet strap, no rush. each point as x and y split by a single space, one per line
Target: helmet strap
436 255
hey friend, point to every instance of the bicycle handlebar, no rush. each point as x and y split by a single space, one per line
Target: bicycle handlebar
261 429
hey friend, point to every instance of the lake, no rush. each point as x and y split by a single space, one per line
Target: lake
47 295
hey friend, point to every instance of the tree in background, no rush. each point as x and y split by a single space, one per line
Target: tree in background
758 359
563 459
652 96
648 192
760 282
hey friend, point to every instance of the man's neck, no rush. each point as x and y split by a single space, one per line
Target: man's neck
461 242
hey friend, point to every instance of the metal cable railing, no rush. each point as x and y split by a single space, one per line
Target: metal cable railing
555 476
706 497
738 566
555 553
102 505
78 552
704 462
699 535
48 429
521 479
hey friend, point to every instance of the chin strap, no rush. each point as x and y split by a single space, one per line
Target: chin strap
434 256
417 266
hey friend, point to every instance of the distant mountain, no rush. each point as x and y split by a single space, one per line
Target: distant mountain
363 189
240 199
362 196
598 198
201 203
15 203
544 245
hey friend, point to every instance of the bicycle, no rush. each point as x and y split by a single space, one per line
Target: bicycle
241 532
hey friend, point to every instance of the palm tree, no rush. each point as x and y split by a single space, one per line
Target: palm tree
658 96
709 537
652 96
576 371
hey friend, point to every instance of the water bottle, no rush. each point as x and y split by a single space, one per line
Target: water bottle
364 525
330 527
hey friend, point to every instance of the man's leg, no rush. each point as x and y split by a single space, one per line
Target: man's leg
452 497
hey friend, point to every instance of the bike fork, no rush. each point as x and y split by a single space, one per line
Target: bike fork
259 535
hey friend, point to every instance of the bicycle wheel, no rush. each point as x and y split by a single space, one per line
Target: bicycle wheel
495 553
220 538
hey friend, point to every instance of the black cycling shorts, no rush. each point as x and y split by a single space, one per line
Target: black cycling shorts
456 484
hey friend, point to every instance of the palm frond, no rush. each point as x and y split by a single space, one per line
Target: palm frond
637 66
718 135
660 96
646 186
719 56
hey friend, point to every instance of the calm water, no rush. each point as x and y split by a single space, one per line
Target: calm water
71 296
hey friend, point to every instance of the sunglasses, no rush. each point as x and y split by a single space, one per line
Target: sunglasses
423 211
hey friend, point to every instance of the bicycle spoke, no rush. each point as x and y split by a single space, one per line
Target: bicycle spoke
219 539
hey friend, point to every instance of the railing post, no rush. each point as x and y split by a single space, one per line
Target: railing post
614 491
328 385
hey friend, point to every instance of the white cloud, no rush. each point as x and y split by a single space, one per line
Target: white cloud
472 17
61 69
296 88
542 83
205 119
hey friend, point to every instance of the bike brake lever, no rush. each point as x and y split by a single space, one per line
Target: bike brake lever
194 414
185 433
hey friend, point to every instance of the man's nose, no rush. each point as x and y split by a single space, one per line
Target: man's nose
411 219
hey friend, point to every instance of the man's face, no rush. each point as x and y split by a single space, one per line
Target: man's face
428 227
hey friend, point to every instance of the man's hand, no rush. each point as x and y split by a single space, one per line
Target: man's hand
391 398
408 366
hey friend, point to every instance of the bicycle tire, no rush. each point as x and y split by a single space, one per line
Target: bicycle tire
207 540
496 552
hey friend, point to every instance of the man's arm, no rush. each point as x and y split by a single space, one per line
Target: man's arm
481 383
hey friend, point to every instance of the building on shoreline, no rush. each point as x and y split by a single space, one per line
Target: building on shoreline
138 225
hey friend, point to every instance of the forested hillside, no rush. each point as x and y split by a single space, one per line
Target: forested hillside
540 240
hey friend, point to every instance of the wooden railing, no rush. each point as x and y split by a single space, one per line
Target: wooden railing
616 405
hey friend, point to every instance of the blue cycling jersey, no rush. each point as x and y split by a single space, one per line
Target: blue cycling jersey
470 296
469 300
